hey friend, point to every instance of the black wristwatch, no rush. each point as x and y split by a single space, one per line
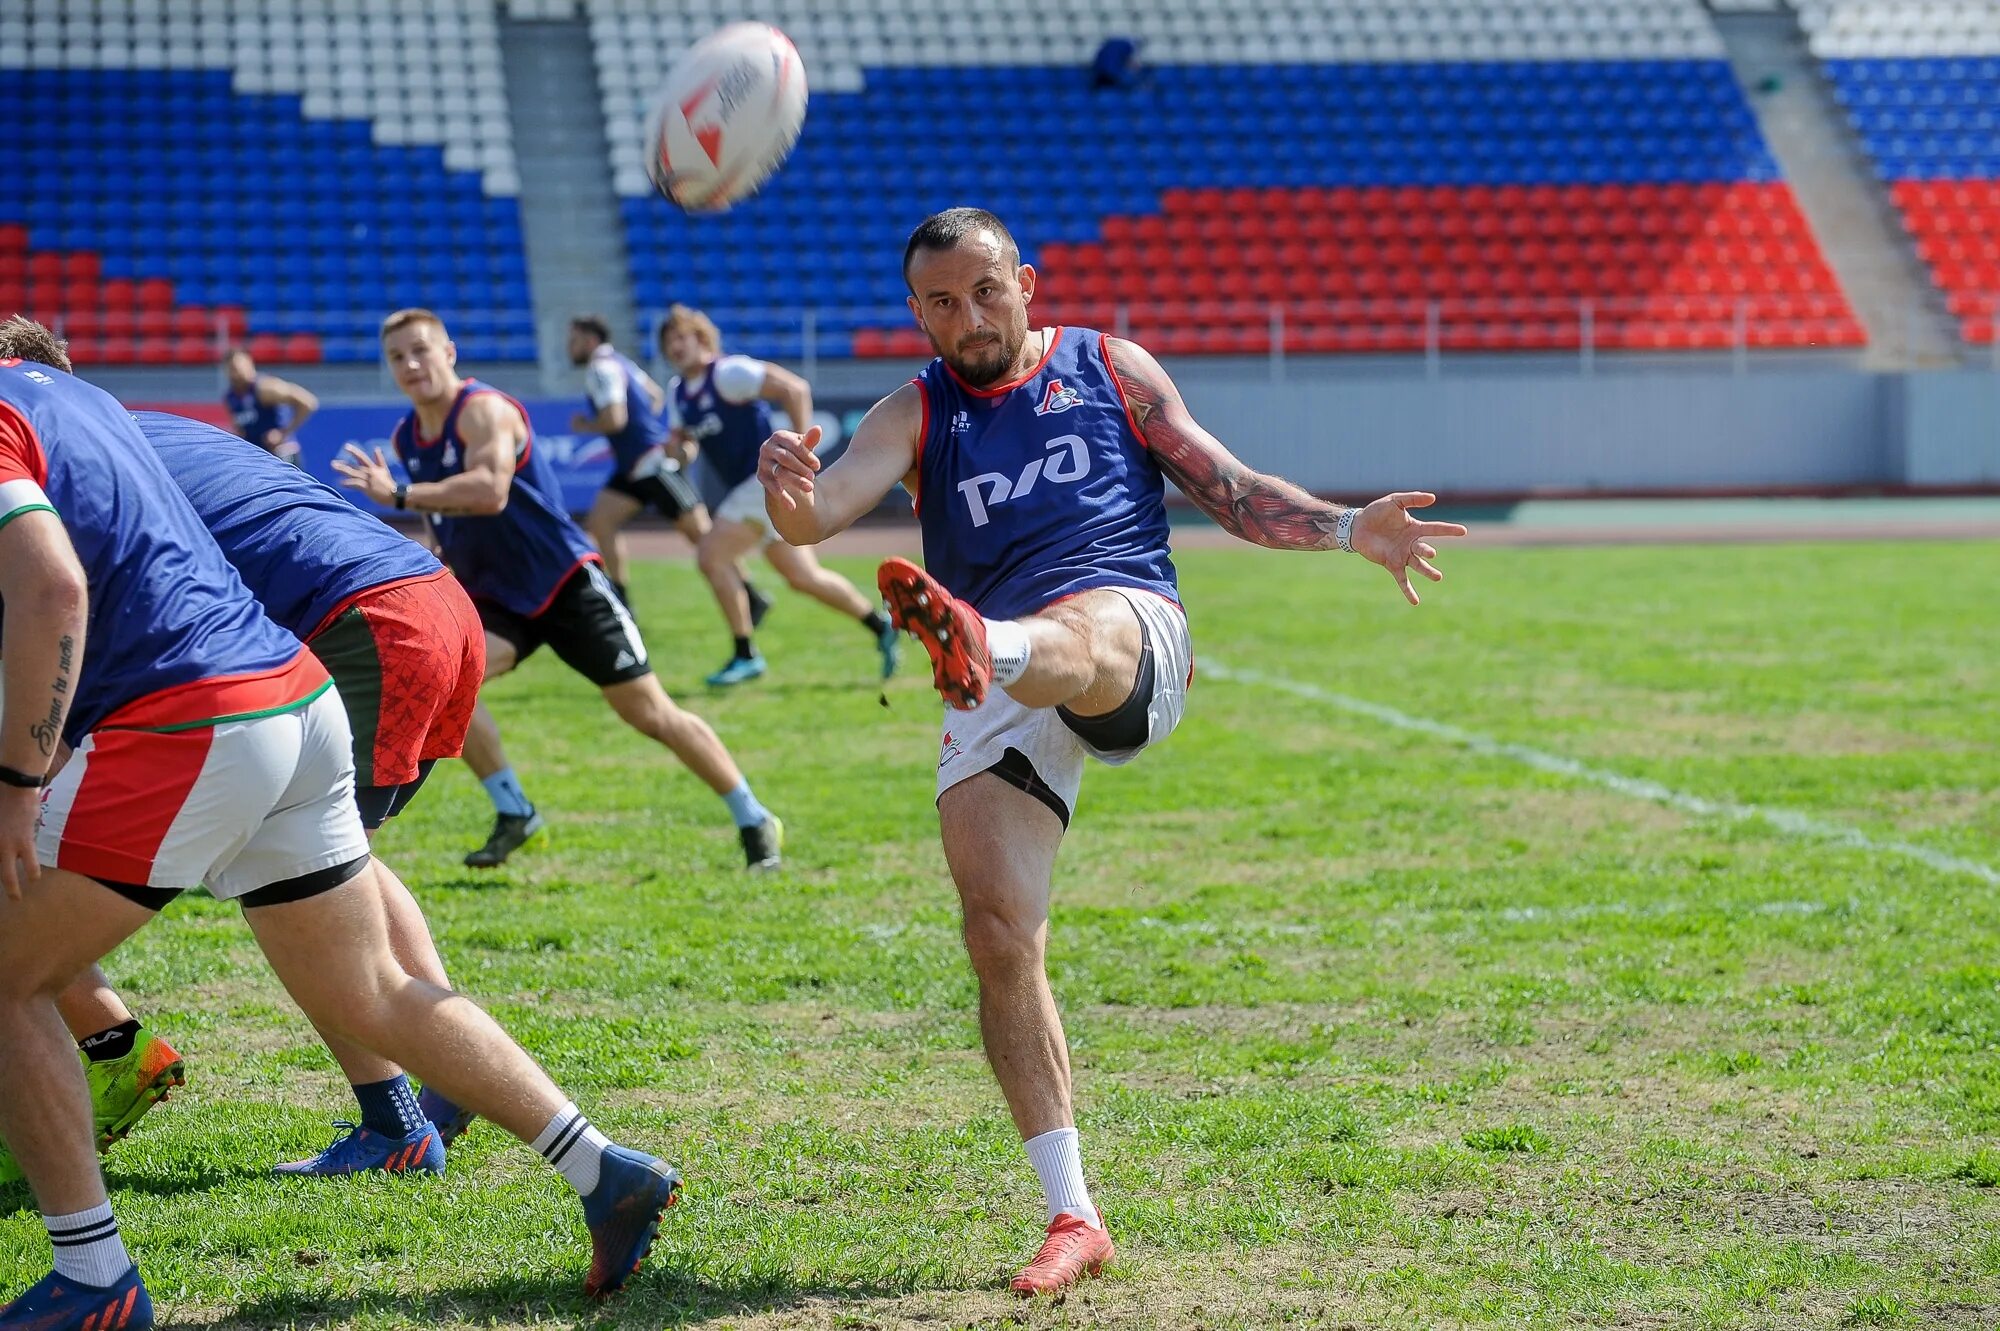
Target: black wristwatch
402 496
20 780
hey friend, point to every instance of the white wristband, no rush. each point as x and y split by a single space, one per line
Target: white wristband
1343 530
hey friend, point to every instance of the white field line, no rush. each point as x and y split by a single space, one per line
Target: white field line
1788 821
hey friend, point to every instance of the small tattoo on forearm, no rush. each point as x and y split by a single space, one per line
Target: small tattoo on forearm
49 730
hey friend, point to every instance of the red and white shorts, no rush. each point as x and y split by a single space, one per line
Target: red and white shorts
234 807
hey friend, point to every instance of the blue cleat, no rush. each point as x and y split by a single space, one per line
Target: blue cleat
58 1303
739 670
450 1120
889 642
360 1149
623 1212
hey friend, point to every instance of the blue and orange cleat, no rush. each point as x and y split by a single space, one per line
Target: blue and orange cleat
57 1303
449 1119
1074 1248
949 629
359 1149
623 1212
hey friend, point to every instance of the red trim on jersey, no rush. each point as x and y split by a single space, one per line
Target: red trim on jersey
134 784
225 695
21 455
923 433
344 606
1055 340
563 582
1111 368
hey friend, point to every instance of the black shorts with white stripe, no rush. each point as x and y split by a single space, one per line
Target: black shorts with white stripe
586 625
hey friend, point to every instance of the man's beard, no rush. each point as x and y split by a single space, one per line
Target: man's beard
985 371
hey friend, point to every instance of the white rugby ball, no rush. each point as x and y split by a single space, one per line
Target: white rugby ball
729 114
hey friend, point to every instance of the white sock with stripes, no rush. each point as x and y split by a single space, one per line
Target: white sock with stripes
87 1246
574 1148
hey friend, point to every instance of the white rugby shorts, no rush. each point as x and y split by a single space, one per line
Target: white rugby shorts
235 807
979 740
745 504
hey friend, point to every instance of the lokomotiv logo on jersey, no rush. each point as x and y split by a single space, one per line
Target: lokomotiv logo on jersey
1057 399
989 490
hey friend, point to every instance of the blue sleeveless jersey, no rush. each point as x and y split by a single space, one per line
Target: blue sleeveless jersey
253 419
1039 489
168 615
730 433
520 556
300 548
645 429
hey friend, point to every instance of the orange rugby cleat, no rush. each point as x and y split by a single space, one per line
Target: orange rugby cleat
950 630
1075 1248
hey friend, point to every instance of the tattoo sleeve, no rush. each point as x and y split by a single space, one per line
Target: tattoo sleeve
1264 510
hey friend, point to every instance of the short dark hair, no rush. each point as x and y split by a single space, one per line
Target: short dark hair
945 230
593 324
21 338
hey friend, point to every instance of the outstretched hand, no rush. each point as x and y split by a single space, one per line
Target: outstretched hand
1386 533
370 475
786 463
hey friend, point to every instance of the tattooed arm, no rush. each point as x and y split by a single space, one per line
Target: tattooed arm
43 587
1263 510
1266 510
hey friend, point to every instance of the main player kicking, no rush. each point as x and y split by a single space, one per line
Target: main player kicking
406 653
207 749
629 409
496 511
722 404
1051 614
268 411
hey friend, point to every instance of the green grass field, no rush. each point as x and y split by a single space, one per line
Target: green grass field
1370 1029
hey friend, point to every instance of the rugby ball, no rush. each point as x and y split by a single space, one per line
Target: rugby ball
727 117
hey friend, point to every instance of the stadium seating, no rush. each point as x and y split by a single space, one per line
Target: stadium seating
184 172
1921 83
1340 174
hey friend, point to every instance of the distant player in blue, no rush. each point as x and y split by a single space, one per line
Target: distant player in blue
268 411
629 408
495 510
1038 458
722 405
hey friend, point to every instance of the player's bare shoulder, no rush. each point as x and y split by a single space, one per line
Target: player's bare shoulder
490 415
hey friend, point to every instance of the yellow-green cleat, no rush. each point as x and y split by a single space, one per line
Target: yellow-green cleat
121 1091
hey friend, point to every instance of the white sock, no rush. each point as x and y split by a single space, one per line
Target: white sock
574 1148
87 1246
1060 1164
1007 644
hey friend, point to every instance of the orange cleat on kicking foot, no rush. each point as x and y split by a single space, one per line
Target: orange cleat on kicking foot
1075 1248
950 630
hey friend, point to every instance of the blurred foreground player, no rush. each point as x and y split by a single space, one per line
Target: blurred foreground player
1051 614
496 511
208 748
406 653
